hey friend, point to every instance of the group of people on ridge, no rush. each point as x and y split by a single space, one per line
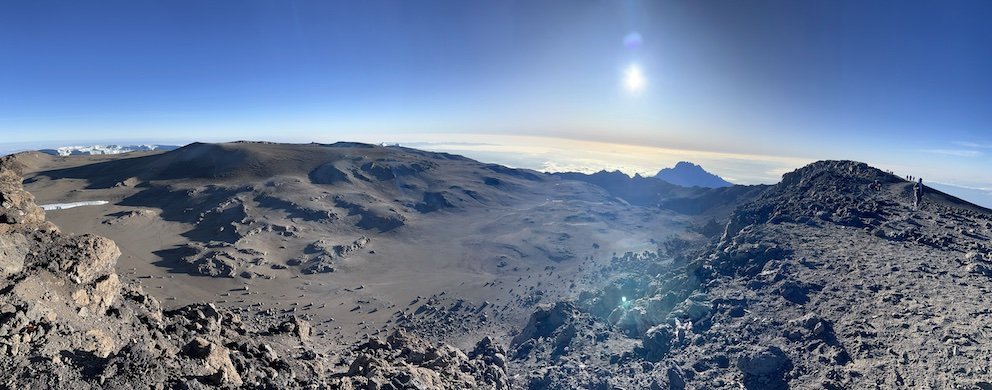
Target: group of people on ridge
917 190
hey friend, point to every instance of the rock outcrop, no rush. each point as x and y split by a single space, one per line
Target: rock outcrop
68 321
848 193
402 361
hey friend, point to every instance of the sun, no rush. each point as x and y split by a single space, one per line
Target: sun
633 79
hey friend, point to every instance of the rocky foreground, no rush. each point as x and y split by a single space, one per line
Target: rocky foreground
831 279
67 321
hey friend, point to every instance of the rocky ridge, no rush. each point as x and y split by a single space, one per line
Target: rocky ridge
829 279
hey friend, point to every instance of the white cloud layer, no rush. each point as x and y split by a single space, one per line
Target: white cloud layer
558 155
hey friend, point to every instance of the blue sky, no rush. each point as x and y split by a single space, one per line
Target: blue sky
902 85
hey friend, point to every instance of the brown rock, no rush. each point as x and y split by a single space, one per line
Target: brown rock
84 258
99 343
217 364
81 297
105 290
13 249
17 206
298 327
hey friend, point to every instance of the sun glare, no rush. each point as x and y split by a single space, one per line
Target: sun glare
633 79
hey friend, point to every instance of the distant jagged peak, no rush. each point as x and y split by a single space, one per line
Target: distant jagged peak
686 164
688 174
615 172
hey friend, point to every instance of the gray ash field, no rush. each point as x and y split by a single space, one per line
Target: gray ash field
261 265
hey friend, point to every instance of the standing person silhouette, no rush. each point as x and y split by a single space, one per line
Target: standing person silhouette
918 194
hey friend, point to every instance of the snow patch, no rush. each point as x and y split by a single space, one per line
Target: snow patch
63 206
104 149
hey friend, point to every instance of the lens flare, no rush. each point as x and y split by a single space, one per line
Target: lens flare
633 40
633 79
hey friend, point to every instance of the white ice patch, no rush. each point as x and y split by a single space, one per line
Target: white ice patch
105 149
63 206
